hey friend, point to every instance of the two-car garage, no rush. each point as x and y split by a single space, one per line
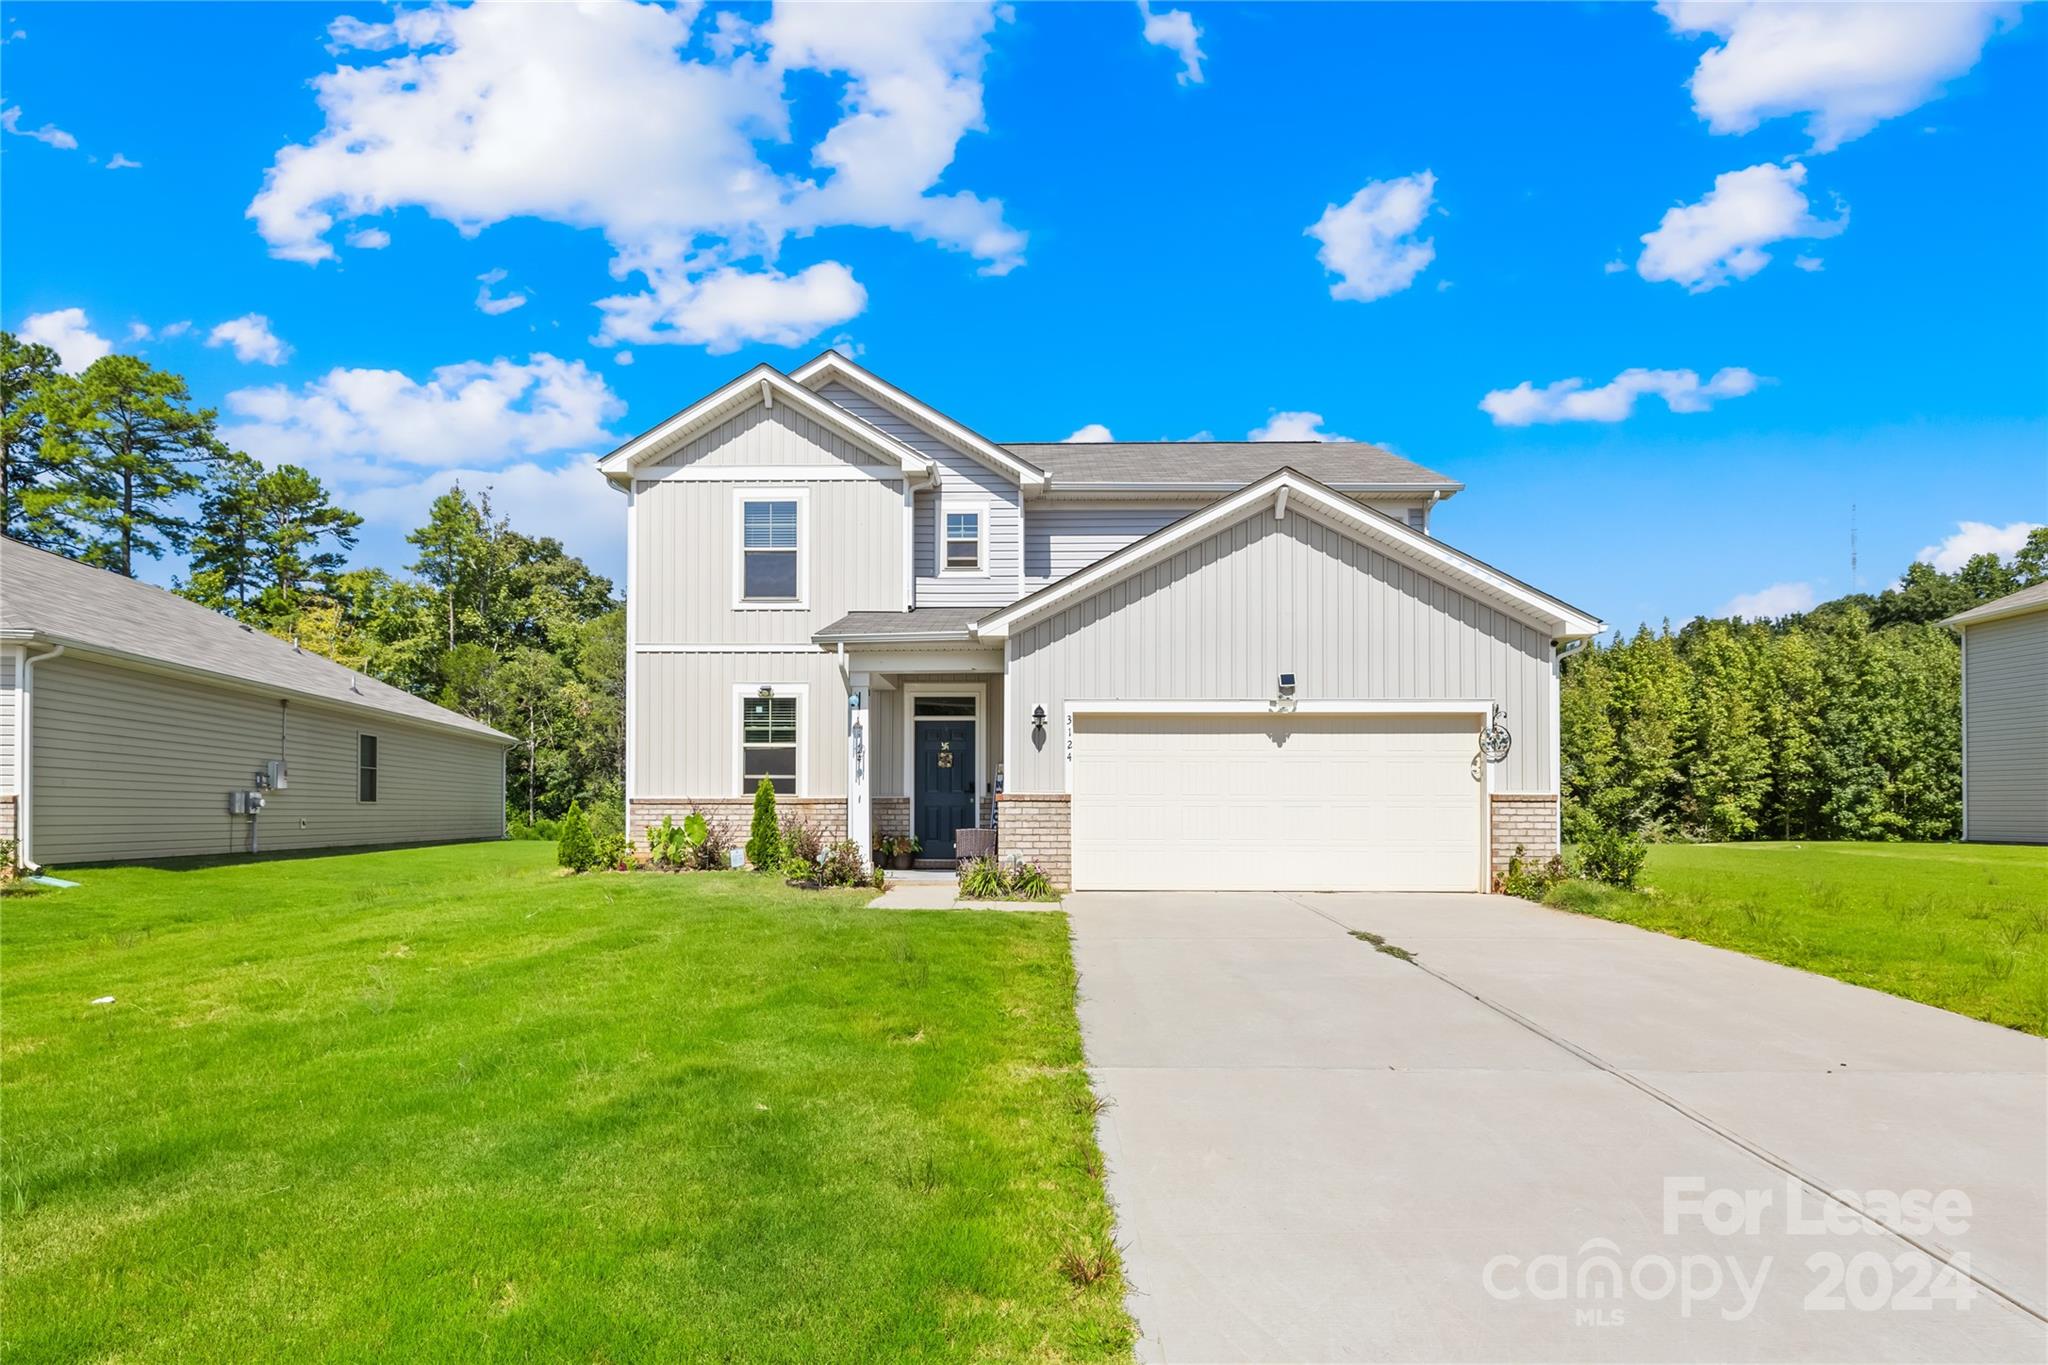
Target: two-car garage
1176 797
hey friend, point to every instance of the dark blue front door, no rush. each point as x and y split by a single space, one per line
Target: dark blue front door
944 799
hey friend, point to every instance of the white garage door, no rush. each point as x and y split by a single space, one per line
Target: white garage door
1294 803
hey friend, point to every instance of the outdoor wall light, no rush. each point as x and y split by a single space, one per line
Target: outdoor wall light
1038 722
1283 701
766 691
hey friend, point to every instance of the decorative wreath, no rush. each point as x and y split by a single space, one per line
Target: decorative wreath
1495 740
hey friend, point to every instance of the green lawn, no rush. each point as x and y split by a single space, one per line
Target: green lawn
1962 926
445 1104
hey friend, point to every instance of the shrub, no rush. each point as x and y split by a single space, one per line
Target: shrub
575 849
542 829
605 815
10 856
1612 856
714 850
989 879
1028 882
670 845
842 865
801 842
764 845
612 851
1530 881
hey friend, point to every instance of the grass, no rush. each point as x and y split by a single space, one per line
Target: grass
445 1104
1960 926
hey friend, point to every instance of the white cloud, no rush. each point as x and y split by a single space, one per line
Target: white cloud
1722 238
1614 268
1810 264
138 331
1092 434
10 119
622 357
565 498
369 239
1295 426
1177 31
1847 67
495 304
67 332
1974 538
118 162
371 427
254 342
727 308
1779 599
1569 400
659 151
1368 243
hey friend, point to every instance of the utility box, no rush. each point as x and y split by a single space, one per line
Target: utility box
238 803
276 770
255 800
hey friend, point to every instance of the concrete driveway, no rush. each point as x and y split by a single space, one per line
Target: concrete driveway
1320 1152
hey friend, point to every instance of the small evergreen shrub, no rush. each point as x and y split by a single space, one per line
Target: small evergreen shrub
764 844
574 848
1612 856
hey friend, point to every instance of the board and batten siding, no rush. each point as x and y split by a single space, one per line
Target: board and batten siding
777 437
686 721
965 484
130 764
1222 619
2005 730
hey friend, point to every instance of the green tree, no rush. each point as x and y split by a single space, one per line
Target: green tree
227 543
2030 565
1730 774
1652 705
31 385
764 837
133 446
451 547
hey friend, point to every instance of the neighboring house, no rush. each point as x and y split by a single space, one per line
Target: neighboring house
910 628
2005 718
128 716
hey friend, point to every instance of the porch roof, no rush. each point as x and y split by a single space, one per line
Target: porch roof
901 627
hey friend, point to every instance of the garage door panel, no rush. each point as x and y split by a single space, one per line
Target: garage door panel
1301 802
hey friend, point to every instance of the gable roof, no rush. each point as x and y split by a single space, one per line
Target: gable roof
917 624
823 369
1288 490
49 598
764 384
1349 466
2012 604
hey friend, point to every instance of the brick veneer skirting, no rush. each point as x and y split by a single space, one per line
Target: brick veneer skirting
1529 822
891 816
1037 828
7 825
734 815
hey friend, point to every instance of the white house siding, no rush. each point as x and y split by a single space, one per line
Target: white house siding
965 484
686 725
2005 736
131 764
1223 618
1062 540
886 710
10 674
778 436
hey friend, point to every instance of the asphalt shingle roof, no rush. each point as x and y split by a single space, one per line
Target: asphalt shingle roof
1235 463
73 604
923 621
2012 604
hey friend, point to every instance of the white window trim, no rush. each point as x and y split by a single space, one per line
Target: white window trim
377 768
740 693
962 506
910 694
770 493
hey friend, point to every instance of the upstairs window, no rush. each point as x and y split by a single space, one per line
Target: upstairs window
768 743
366 767
963 542
768 550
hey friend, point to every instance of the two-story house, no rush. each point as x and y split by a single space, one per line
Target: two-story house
1217 665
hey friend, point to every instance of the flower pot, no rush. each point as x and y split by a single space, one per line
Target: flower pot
900 861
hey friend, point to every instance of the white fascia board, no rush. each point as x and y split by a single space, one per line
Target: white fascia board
1311 498
761 385
1182 490
833 365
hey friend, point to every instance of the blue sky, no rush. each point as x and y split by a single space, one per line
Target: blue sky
1049 216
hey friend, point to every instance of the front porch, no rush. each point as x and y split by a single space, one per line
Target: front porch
924 746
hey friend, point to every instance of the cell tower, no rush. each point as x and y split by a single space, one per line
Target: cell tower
1854 582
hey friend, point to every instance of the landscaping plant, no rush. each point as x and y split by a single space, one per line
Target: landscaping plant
1612 856
575 849
989 879
764 844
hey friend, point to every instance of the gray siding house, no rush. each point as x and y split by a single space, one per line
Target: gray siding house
128 716
2005 718
1146 665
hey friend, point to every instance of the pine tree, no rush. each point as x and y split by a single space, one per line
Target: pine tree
450 545
30 386
764 838
227 544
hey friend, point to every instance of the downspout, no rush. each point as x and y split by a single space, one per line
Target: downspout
25 737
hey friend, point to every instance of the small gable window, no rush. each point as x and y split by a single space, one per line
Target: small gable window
963 541
366 767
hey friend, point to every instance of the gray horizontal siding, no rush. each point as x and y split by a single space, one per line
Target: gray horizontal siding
9 774
2005 739
959 474
133 765
1223 618
1062 540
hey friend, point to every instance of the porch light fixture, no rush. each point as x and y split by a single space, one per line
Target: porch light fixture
765 692
1038 722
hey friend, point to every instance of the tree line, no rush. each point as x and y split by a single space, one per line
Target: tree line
1842 722
117 466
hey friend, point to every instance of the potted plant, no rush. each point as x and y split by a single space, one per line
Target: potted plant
902 849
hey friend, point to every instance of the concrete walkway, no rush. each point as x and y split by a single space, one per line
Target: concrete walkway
1320 1152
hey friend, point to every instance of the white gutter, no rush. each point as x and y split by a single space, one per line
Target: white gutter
25 740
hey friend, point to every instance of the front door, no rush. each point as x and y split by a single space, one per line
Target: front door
944 794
